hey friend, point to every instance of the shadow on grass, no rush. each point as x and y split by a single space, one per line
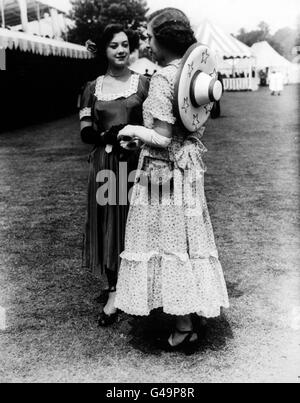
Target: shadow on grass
149 332
233 290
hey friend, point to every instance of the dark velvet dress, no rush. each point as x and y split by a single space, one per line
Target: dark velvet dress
105 226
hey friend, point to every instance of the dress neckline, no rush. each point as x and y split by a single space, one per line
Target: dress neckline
133 88
175 63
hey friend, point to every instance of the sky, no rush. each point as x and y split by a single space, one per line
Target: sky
231 15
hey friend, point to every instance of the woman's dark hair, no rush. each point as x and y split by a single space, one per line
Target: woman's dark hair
104 39
172 30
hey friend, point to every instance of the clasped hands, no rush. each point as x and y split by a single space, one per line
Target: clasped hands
128 137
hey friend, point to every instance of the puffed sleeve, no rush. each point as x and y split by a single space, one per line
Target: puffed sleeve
86 102
160 99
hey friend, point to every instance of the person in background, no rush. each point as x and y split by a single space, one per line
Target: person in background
263 75
109 103
276 84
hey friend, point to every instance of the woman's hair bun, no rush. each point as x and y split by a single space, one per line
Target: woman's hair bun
172 30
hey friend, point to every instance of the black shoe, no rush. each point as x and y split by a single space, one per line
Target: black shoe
107 320
187 346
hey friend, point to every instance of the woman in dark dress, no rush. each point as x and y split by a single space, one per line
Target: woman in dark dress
109 103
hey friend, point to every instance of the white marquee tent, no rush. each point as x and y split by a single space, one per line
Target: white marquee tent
267 57
233 56
224 45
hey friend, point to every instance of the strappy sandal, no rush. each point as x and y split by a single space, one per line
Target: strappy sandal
187 346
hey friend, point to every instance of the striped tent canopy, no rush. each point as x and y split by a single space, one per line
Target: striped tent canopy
42 46
224 45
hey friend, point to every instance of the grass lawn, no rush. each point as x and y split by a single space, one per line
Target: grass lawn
253 193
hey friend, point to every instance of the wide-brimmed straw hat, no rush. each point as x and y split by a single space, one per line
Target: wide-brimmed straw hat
197 87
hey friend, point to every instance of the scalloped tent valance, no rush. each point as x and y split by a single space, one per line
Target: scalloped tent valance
42 46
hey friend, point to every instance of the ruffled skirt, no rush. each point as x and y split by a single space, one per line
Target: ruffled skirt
170 259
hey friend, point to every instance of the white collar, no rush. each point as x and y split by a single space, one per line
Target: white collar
133 88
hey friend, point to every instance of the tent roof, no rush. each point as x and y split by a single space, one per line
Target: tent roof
143 64
224 45
43 46
266 56
12 10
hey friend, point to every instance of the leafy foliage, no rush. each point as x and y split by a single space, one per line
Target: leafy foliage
282 41
92 16
298 31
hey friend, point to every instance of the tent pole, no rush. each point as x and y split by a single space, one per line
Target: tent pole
24 16
250 74
55 23
38 14
2 13
233 67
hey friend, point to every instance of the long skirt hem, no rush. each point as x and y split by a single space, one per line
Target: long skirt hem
176 283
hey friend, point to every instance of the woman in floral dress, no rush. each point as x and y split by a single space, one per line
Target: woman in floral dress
170 259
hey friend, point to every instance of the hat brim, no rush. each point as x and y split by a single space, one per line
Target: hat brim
198 58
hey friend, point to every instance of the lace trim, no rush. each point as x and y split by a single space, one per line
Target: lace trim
85 113
133 89
150 116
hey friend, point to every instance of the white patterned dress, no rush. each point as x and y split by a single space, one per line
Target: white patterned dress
170 259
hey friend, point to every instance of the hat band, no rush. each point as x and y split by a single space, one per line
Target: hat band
207 92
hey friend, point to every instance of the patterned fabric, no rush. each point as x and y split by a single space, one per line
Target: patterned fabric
170 259
159 104
85 113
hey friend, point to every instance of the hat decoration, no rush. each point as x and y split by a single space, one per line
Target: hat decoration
197 87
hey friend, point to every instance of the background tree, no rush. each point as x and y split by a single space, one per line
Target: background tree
298 32
287 38
282 41
92 16
257 35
